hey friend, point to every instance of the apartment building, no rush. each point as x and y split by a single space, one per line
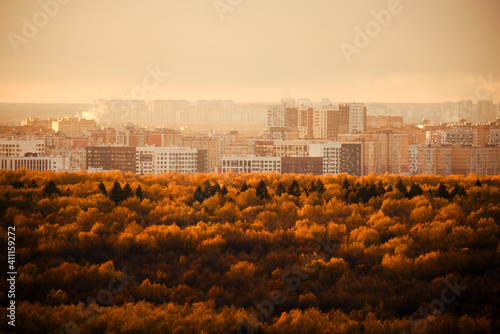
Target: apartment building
339 157
203 142
75 159
122 158
463 160
164 138
34 163
250 164
168 111
21 148
73 127
158 160
302 165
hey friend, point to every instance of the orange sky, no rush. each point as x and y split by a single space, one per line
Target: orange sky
428 51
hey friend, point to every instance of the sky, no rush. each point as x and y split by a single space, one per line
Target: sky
249 50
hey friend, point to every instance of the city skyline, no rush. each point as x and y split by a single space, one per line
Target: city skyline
387 51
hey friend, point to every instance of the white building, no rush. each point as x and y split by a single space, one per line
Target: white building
339 157
20 148
158 160
357 118
74 158
40 164
413 159
251 164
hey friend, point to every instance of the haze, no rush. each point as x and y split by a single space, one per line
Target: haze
262 50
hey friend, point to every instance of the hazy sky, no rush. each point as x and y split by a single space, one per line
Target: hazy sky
262 50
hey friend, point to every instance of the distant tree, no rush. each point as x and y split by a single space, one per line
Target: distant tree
244 187
363 194
311 188
115 194
478 183
127 191
223 191
208 190
442 191
457 190
380 188
17 184
294 189
401 187
280 190
198 195
389 188
372 190
261 190
102 188
216 188
33 184
345 184
51 189
138 193
320 187
415 190
346 194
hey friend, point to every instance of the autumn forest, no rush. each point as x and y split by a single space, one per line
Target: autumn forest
251 253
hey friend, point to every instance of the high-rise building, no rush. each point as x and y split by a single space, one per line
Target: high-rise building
106 158
494 137
115 112
383 152
306 124
486 111
21 148
215 111
357 118
250 164
339 157
413 159
158 160
443 160
203 142
169 112
75 159
283 116
453 112
434 160
73 127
